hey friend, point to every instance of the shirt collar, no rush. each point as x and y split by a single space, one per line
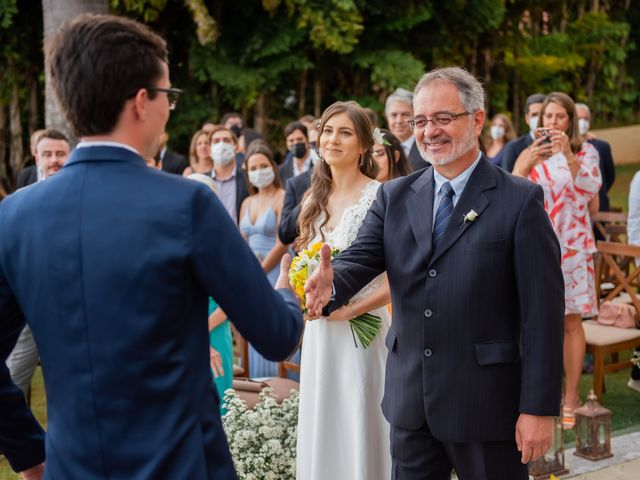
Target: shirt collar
407 145
306 166
457 183
233 174
105 143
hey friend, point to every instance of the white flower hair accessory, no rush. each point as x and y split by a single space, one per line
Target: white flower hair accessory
378 137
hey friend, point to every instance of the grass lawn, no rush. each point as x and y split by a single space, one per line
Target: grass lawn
622 401
619 193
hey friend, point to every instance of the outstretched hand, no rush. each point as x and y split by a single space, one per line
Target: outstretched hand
319 286
33 473
283 278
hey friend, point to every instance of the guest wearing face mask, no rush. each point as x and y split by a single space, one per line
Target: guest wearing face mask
259 218
231 183
233 121
500 133
607 166
298 159
514 148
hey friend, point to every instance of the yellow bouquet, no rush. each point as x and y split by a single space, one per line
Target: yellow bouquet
365 327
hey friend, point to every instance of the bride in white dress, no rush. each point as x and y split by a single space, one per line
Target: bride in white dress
342 433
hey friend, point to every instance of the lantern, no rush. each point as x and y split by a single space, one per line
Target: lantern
593 430
552 462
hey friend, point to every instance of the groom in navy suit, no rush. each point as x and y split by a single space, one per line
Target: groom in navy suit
475 346
112 268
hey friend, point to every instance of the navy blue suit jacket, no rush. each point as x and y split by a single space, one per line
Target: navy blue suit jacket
477 329
513 149
112 263
607 169
295 189
415 158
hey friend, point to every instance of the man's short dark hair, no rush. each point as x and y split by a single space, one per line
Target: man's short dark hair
53 134
293 126
96 63
532 99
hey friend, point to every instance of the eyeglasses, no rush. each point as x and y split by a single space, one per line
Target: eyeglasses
440 120
172 95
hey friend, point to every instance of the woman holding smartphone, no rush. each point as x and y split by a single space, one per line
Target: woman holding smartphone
569 173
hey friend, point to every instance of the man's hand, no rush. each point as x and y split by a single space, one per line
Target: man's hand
319 286
533 436
216 363
33 473
283 278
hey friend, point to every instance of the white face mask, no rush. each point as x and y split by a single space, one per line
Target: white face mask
583 126
262 177
497 132
533 123
222 153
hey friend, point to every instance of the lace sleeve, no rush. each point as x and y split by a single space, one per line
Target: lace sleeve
358 214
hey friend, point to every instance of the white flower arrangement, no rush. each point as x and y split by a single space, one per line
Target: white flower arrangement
262 441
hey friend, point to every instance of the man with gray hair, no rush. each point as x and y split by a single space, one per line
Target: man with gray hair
475 347
398 109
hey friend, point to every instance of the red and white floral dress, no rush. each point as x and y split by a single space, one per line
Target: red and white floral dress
566 201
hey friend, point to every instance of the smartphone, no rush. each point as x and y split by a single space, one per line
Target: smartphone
544 133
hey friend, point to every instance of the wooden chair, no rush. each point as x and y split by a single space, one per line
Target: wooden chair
611 225
604 341
240 352
287 366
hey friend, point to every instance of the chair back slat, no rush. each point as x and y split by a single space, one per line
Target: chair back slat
616 265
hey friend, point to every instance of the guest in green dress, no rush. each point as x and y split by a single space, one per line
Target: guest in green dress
220 341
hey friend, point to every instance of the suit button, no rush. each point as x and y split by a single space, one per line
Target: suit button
428 352
428 313
432 273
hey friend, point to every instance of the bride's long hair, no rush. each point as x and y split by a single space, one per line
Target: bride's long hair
314 202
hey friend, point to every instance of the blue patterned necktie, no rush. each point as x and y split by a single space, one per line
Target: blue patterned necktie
443 214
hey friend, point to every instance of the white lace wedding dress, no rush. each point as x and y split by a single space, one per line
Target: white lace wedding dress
342 434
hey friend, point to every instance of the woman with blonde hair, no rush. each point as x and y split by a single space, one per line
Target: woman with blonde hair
568 170
199 154
342 383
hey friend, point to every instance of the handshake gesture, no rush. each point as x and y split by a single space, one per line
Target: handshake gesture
319 287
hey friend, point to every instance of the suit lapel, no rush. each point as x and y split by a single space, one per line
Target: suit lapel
420 211
473 198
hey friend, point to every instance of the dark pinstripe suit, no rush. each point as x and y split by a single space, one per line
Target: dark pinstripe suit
477 327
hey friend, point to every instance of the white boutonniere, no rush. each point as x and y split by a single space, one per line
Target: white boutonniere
469 217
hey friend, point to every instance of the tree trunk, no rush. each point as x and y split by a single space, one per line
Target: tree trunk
260 114
302 93
317 96
516 103
54 14
16 160
3 142
34 118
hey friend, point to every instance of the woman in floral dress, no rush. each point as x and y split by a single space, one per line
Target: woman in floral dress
569 173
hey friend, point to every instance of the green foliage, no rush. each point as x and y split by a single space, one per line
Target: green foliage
390 69
147 10
8 8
